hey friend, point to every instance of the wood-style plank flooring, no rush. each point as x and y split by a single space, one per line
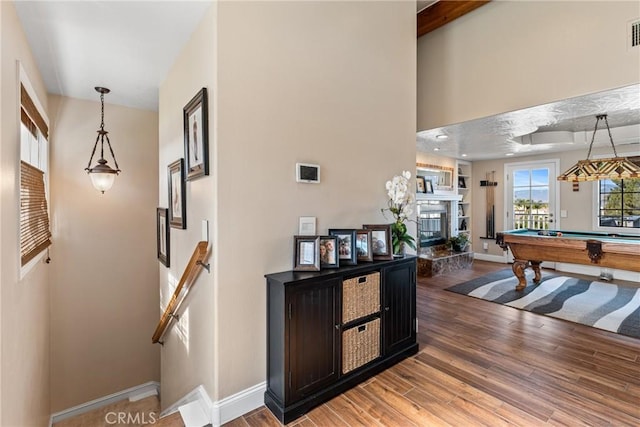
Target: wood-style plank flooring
484 364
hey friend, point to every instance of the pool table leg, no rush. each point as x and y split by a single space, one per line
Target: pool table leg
535 266
518 268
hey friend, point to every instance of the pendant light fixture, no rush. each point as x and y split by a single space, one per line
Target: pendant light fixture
102 175
598 169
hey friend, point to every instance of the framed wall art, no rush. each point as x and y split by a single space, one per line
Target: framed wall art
363 245
306 250
196 136
420 184
428 186
329 252
177 195
163 236
346 245
380 240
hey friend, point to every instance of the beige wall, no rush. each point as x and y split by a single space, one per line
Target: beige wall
331 83
508 55
104 273
24 304
188 356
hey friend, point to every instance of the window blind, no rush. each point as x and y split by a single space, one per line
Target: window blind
30 108
34 216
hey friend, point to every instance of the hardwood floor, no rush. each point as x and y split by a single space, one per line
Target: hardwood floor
485 364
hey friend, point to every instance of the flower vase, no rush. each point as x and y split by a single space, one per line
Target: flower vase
400 252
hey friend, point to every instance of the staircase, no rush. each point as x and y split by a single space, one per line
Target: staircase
144 412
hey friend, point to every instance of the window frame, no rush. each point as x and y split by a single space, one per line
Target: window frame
43 164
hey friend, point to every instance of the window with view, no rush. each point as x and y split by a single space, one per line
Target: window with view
619 203
35 232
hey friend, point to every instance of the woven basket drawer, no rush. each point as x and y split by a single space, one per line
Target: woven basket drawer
360 345
360 296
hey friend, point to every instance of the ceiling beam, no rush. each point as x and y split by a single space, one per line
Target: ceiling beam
444 11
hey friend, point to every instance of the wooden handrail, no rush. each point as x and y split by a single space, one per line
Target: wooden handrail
196 263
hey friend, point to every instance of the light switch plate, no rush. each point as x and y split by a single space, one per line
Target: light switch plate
205 230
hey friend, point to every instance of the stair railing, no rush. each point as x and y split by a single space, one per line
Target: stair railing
191 271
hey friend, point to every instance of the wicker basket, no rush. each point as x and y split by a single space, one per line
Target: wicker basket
360 345
360 296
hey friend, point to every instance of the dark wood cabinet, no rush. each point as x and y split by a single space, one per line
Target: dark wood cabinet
309 335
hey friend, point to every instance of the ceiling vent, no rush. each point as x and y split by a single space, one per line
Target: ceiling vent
634 33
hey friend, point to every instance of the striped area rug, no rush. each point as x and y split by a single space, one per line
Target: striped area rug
601 305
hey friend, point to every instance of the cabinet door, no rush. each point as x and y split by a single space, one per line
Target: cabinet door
399 312
313 335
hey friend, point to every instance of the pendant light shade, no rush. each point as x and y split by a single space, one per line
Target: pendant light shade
102 175
599 169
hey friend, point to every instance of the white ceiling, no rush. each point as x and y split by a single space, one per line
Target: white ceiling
128 47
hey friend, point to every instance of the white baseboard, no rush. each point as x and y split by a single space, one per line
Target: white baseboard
238 404
134 393
488 257
220 412
592 270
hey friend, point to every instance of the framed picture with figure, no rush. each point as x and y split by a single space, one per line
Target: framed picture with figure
346 245
380 240
177 195
162 216
196 136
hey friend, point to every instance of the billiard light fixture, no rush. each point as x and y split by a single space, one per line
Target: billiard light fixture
598 169
102 175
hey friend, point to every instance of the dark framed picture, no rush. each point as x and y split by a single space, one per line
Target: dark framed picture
306 253
420 184
428 186
177 195
163 234
461 182
196 136
460 210
346 245
380 240
363 245
329 252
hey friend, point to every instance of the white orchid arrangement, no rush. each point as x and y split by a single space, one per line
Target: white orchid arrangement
401 200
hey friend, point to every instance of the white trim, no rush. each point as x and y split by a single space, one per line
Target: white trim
238 404
198 394
595 220
502 259
146 390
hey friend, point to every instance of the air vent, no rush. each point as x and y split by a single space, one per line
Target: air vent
634 33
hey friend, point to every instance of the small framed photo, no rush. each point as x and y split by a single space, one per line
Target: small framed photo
363 245
428 186
461 182
460 210
196 135
307 226
163 236
380 240
306 250
329 252
177 195
346 245
420 184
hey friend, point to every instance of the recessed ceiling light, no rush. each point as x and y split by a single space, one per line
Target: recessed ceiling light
441 136
464 155
436 149
509 154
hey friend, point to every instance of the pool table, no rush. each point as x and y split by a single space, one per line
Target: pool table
531 247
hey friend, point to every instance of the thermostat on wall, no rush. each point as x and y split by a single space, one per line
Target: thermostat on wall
307 173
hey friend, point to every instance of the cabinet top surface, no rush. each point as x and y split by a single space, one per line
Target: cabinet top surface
296 276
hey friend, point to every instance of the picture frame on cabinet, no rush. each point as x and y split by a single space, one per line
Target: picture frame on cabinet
177 195
420 184
428 186
306 250
196 136
163 234
461 182
380 240
346 245
329 252
363 246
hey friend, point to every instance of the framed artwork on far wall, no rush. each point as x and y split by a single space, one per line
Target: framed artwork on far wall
346 245
177 195
380 240
428 186
363 245
306 253
162 219
196 136
420 184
